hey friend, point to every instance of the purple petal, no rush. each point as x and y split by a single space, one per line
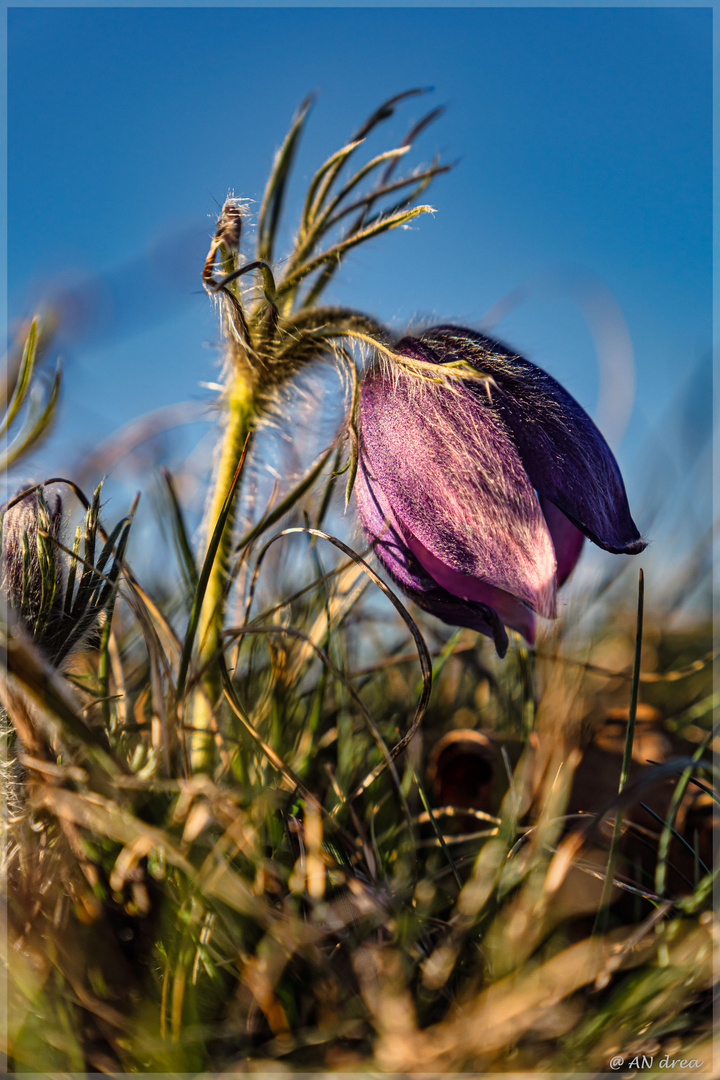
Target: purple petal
385 533
564 454
567 540
455 482
512 612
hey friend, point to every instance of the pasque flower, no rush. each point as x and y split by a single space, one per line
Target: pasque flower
59 597
477 493
31 572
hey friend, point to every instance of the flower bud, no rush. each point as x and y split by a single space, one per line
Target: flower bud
32 577
478 492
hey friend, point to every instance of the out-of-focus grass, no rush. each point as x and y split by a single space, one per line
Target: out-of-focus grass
440 920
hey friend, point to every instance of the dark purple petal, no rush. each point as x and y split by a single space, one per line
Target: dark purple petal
455 483
385 533
564 454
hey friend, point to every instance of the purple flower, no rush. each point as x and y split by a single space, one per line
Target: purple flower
478 494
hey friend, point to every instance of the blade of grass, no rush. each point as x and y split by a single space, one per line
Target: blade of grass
436 828
36 427
24 377
680 839
602 912
185 552
677 796
291 631
42 683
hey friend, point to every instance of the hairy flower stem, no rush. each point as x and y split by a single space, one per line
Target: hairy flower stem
241 411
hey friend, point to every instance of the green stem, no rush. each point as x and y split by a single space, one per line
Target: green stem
240 416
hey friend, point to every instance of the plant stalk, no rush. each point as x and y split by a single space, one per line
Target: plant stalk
240 414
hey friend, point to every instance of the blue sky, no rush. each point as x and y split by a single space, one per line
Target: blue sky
583 142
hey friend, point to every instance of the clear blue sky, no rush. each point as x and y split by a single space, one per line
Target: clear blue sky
583 139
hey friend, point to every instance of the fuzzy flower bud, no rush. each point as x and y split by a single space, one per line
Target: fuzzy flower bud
478 494
31 570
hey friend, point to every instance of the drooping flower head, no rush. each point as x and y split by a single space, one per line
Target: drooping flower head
478 493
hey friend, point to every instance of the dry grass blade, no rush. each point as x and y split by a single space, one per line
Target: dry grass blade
28 671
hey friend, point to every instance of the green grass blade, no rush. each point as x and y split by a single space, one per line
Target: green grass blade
72 571
680 839
677 796
36 427
182 542
24 377
87 578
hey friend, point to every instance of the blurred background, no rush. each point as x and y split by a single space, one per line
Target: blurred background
575 225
